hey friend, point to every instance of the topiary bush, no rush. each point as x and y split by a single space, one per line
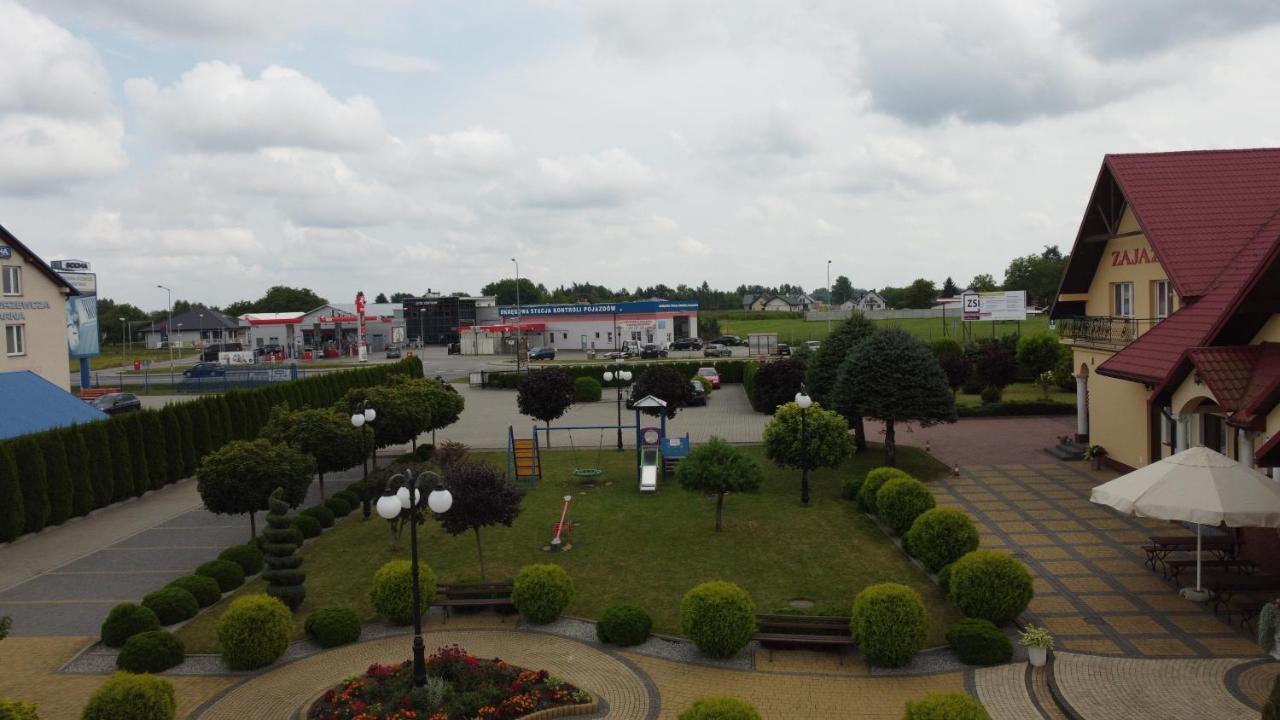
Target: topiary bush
202 587
339 507
901 500
171 604
991 395
720 708
333 626
125 696
542 592
307 525
153 651
990 585
719 617
284 575
126 620
940 536
979 642
15 710
248 557
586 389
889 623
228 574
322 514
423 452
945 706
351 497
852 487
254 632
392 593
944 578
871 485
624 625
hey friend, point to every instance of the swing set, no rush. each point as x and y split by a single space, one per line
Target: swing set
585 472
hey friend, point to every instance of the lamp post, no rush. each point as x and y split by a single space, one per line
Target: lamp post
390 507
202 329
623 377
828 297
179 348
519 324
124 337
168 328
360 419
804 401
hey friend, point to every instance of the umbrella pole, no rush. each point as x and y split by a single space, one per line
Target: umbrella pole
1198 559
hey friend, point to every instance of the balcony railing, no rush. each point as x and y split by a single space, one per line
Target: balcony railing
1104 329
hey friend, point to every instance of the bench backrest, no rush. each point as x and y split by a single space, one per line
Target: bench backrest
803 624
476 590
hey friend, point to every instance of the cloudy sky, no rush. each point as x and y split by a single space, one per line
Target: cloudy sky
223 146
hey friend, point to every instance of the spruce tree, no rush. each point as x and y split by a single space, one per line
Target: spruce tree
174 467
284 573
122 460
138 453
11 513
57 476
101 465
35 491
81 472
153 442
824 368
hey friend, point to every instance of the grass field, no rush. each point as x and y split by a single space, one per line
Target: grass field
795 330
1020 392
644 550
110 356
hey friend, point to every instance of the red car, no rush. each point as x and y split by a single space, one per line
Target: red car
711 375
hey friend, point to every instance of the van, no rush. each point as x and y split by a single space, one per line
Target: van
210 352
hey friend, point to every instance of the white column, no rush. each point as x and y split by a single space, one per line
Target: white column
1180 433
1082 405
1245 446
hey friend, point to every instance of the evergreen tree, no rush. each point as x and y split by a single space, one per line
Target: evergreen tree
173 464
35 491
284 574
824 367
80 466
182 415
101 464
12 518
153 442
57 476
200 435
949 288
229 428
240 424
137 439
122 460
217 430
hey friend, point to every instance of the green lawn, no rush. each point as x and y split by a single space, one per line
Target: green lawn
645 550
795 330
1020 392
110 356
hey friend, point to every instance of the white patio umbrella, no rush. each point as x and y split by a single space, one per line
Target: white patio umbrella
1196 485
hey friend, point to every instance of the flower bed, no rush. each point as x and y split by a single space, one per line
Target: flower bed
459 687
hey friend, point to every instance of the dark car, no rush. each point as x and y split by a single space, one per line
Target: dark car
210 352
270 349
686 344
717 350
784 349
729 341
204 370
393 352
699 396
116 403
542 353
651 351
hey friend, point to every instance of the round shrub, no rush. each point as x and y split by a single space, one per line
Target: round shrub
135 697
351 497
720 708
153 651
991 395
254 632
901 500
249 557
228 574
990 585
333 626
126 620
171 604
945 706
889 623
202 587
624 625
392 594
339 507
978 642
542 592
322 514
16 710
307 525
941 536
875 479
851 487
423 452
944 578
586 389
719 617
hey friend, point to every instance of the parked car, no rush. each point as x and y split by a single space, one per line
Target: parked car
729 340
618 355
699 396
686 344
116 403
393 352
717 350
813 345
784 349
651 351
205 369
711 375
269 349
543 352
210 352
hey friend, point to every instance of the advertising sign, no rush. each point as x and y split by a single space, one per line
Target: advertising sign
82 326
998 305
238 357
84 283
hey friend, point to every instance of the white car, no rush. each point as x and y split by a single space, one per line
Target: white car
813 345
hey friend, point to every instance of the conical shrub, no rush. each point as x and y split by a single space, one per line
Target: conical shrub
284 573
122 460
81 470
11 515
35 491
58 476
101 465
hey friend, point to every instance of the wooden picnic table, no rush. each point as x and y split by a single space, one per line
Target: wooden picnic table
1160 547
1226 585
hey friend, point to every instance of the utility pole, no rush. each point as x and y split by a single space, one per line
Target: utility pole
519 324
829 298
168 328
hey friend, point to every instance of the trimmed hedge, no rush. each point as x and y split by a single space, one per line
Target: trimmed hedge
228 574
901 500
542 592
730 371
247 556
719 617
125 696
307 525
153 651
171 604
979 642
889 623
333 626
941 536
339 507
720 707
322 514
392 593
875 479
990 585
202 587
586 389
945 706
254 632
624 625
126 620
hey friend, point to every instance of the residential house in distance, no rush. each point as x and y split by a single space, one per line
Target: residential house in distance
870 300
778 303
197 327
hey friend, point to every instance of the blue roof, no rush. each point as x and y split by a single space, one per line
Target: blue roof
29 404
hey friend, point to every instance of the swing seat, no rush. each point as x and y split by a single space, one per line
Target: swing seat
587 472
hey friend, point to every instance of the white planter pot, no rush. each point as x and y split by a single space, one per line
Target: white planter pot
1038 656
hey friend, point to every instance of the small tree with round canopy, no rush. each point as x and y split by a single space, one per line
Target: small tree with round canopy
545 395
325 434
665 383
238 478
716 468
482 496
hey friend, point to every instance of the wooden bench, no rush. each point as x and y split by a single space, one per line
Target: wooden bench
91 394
1175 567
781 629
1160 547
497 594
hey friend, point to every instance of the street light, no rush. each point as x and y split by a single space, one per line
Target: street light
804 401
179 347
828 297
168 329
519 324
202 328
360 419
391 506
124 337
623 377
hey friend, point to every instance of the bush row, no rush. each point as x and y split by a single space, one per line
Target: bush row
730 371
1017 408
49 477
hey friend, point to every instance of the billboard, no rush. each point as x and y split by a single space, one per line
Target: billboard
997 305
82 326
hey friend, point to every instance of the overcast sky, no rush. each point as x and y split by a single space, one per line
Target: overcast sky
223 146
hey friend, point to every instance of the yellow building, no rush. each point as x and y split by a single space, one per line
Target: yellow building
33 314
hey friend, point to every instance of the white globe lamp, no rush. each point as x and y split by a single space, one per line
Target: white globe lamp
357 420
389 507
440 500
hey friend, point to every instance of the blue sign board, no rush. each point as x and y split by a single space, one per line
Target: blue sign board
640 307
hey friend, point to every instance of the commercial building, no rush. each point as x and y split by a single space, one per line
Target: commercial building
33 314
436 320
585 326
331 330
1171 305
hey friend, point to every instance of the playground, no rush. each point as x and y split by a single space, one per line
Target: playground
647 549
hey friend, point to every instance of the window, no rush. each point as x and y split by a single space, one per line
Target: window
1213 433
1122 300
12 280
597 336
15 339
1162 298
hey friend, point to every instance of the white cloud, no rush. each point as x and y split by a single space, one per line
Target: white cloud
607 178
48 155
391 62
223 20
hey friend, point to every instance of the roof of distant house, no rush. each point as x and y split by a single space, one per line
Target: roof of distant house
33 404
193 320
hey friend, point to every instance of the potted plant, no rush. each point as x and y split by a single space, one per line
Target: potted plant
1038 643
1269 628
1095 453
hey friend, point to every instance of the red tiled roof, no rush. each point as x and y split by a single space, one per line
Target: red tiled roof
1243 378
1269 454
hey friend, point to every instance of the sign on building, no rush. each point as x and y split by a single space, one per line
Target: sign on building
998 305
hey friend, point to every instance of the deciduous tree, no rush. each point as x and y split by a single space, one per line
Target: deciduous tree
238 478
545 395
665 383
325 434
716 468
822 437
841 290
482 496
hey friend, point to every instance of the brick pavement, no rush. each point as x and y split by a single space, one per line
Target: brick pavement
984 441
1132 689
